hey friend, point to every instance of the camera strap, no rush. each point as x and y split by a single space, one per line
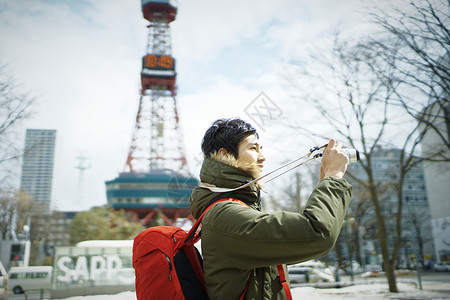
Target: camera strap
304 160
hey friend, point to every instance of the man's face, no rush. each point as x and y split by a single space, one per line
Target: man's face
249 151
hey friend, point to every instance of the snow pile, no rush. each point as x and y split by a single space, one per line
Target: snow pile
375 291
120 296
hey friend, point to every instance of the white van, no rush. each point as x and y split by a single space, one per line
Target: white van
23 279
2 279
3 276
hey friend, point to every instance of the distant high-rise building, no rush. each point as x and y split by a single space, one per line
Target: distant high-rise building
38 167
437 174
416 225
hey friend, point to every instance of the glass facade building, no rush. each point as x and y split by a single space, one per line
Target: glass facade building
38 166
415 210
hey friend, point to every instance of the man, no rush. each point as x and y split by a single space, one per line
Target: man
241 245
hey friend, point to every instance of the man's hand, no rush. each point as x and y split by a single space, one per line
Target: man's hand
334 163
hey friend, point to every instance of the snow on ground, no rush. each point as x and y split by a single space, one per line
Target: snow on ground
120 296
375 291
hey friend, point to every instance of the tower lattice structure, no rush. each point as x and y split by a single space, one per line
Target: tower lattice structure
157 141
155 184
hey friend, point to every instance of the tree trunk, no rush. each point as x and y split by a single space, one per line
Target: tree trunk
398 224
387 262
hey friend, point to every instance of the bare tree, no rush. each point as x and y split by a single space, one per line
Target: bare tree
412 55
407 67
416 36
361 113
15 209
366 90
289 196
292 194
15 106
361 205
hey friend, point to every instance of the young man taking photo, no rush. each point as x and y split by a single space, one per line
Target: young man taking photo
241 244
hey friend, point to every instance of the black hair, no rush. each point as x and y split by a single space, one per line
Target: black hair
226 133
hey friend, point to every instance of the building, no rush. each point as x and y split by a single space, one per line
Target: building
437 176
59 224
52 230
416 225
38 167
144 195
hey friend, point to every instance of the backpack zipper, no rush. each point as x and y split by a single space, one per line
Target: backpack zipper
170 267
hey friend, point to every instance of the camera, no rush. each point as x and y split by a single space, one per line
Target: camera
352 154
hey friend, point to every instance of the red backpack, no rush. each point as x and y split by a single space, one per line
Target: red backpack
168 266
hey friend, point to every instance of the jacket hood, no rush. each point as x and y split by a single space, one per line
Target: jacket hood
227 172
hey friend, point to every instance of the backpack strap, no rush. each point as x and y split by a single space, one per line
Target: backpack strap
194 228
192 232
279 267
283 282
282 279
246 287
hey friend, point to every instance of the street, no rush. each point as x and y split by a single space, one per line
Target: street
31 295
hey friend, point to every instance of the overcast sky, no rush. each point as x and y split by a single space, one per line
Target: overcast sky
82 60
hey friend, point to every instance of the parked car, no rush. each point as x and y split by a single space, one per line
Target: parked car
319 269
373 268
299 274
442 267
310 271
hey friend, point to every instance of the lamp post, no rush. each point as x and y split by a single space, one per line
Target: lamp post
350 222
413 220
362 232
416 252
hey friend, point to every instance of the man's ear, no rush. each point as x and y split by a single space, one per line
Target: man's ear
222 151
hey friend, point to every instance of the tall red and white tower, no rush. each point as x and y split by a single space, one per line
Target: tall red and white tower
156 179
157 141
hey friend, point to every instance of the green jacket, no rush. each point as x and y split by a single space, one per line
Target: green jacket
238 241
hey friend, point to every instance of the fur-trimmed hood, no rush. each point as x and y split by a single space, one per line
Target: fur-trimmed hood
225 171
251 168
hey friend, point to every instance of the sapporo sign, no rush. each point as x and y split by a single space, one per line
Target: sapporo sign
75 267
